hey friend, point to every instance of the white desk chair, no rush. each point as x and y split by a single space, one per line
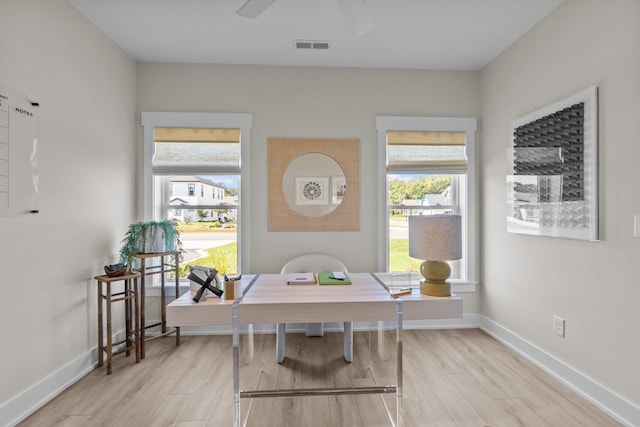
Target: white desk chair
314 263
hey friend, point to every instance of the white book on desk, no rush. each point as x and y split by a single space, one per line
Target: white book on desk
301 279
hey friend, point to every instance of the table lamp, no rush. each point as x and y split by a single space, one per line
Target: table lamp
435 239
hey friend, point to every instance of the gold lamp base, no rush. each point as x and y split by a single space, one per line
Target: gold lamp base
435 275
435 289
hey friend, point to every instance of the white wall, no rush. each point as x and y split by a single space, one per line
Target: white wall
89 118
86 89
593 285
309 102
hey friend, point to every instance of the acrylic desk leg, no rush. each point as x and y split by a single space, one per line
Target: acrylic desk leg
399 421
236 361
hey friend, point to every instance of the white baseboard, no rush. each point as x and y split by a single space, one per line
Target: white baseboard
27 402
617 407
30 400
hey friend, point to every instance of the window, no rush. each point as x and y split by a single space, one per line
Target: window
429 169
183 150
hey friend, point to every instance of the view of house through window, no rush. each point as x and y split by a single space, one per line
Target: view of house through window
208 222
196 181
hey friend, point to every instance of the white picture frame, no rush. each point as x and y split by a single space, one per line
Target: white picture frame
312 190
338 189
552 178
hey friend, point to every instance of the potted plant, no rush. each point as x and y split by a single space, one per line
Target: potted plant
150 237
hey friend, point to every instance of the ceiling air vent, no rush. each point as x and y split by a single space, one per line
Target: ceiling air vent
310 45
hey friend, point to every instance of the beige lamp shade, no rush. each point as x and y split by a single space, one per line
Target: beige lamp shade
435 237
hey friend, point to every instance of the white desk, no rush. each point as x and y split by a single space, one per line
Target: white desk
266 298
270 300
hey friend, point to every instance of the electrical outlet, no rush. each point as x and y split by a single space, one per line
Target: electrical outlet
558 326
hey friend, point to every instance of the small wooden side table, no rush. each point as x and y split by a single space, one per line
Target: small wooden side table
132 322
148 270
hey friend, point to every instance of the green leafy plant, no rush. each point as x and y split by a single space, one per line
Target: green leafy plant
143 237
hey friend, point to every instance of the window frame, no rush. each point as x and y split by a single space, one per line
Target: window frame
242 121
467 200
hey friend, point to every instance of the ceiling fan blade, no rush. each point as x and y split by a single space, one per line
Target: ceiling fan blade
357 13
254 8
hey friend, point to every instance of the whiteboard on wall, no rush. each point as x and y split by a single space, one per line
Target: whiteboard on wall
18 154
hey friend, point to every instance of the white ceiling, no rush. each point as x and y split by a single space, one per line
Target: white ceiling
429 34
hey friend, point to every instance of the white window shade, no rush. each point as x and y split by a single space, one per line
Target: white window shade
187 150
427 152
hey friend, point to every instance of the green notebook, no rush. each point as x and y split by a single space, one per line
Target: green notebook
328 279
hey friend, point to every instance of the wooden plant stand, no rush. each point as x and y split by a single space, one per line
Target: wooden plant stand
132 319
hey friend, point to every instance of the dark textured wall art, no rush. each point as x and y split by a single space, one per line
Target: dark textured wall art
552 182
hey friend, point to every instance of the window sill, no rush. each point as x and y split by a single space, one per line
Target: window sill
461 287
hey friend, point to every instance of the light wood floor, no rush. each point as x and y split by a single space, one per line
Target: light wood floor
451 378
